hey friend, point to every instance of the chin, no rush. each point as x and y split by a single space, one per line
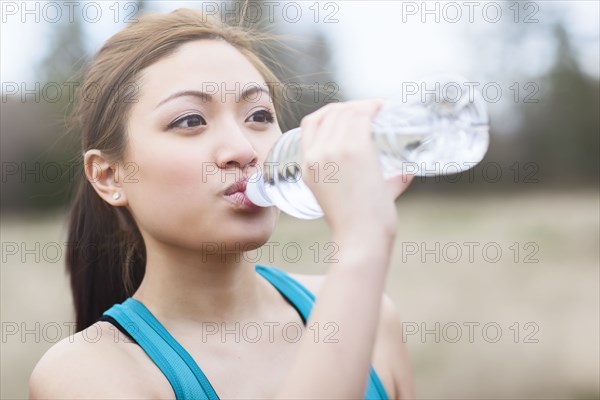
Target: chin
250 233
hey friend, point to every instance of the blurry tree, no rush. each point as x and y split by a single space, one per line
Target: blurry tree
38 167
562 132
556 120
40 156
141 6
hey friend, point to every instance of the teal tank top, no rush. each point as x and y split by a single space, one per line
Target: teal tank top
185 376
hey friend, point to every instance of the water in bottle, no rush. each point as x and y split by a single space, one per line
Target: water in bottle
437 127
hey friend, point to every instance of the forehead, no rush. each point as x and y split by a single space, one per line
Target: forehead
206 65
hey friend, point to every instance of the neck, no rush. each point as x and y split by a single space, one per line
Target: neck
191 286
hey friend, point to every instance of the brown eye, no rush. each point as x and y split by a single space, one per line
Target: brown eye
188 121
262 117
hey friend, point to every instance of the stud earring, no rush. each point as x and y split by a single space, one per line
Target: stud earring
116 195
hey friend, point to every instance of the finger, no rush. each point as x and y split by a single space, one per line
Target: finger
370 106
398 184
336 122
310 124
358 113
347 131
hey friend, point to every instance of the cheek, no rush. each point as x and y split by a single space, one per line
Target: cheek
169 170
266 143
169 187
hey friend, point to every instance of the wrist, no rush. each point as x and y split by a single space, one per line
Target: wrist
365 234
381 227
365 244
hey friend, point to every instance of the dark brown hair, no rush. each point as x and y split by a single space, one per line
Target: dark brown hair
106 260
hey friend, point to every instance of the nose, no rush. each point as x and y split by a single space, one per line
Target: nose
236 150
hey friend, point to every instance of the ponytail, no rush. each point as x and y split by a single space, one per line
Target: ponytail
107 256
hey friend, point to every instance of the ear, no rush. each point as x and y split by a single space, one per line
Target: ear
104 177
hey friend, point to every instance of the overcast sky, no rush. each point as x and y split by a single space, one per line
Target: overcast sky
376 44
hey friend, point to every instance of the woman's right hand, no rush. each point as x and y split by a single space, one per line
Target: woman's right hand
337 144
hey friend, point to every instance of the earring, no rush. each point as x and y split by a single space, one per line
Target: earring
116 195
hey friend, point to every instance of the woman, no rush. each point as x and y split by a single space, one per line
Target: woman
165 160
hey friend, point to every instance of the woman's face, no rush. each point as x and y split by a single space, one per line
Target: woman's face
185 148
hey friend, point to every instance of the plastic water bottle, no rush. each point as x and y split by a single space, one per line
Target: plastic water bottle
437 127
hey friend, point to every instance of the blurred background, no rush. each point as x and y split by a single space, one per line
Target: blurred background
495 271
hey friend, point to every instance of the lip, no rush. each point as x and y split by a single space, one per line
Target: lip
235 194
242 201
236 187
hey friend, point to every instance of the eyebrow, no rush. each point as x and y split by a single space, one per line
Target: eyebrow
251 91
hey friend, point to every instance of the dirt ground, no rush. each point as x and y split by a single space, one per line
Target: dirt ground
499 294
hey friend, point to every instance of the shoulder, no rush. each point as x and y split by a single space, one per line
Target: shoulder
92 363
390 354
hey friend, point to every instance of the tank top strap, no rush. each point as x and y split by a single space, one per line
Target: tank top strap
299 296
184 375
303 299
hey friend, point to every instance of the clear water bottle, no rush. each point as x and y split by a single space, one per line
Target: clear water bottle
438 126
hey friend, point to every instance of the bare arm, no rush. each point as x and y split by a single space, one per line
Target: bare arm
362 217
351 299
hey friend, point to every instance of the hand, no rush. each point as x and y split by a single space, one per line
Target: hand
339 134
398 184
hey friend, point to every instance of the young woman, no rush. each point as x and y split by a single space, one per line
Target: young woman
166 153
